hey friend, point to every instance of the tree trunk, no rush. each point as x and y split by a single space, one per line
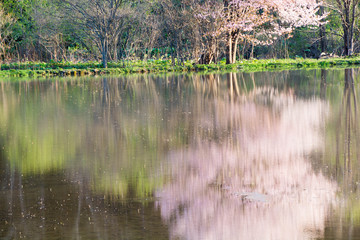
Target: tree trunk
228 52
234 48
252 51
348 41
104 52
322 30
231 48
322 34
348 26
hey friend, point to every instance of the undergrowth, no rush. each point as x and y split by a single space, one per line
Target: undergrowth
52 68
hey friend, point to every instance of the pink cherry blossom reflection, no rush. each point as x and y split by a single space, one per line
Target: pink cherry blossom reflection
258 183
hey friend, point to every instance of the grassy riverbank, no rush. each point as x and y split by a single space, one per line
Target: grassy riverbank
29 69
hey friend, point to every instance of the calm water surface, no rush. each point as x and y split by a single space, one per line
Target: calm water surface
230 156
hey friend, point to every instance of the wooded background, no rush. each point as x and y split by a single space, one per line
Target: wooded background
202 31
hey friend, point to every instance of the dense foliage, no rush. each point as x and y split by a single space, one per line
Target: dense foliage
197 30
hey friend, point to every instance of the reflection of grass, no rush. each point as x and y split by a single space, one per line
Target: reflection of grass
123 181
127 157
352 213
39 153
33 145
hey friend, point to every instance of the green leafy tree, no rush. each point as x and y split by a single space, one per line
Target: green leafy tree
6 22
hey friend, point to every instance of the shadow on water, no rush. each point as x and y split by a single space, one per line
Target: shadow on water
230 156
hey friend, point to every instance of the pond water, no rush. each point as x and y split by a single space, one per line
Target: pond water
272 155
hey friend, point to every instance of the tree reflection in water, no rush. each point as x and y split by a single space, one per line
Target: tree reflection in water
343 160
75 155
347 130
257 182
237 149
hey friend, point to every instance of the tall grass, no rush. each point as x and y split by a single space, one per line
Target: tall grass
52 68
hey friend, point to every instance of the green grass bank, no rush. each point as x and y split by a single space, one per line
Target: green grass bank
35 69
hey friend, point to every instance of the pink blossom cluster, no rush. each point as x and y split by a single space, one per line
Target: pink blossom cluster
259 21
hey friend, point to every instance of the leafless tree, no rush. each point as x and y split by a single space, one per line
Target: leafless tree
101 19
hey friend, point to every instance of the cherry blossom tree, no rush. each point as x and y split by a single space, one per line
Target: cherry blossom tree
299 13
210 22
259 22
